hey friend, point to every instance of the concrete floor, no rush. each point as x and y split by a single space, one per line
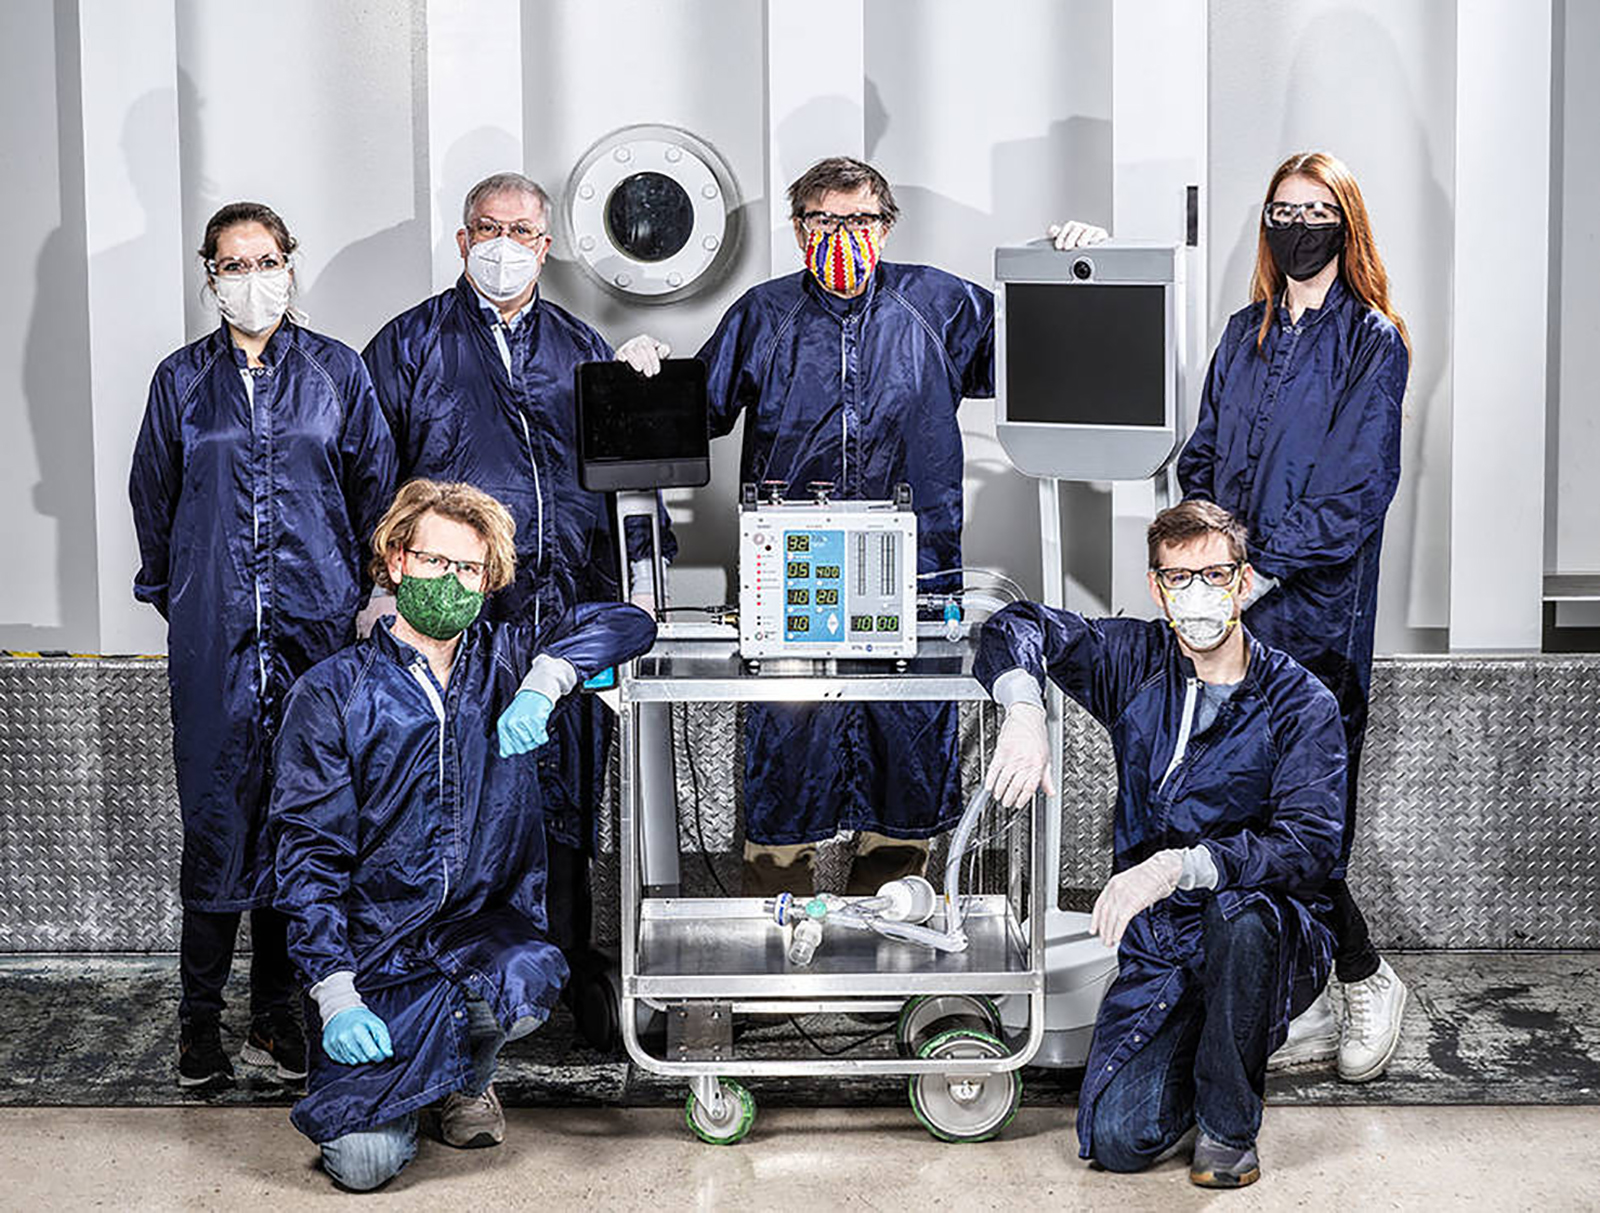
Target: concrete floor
801 1158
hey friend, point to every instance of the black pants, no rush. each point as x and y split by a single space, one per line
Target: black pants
568 902
206 957
1354 957
1207 1063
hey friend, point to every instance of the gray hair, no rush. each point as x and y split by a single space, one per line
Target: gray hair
845 174
503 183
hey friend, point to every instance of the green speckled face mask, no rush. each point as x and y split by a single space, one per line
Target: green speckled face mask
440 607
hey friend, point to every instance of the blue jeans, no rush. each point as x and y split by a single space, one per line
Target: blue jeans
1207 1063
370 1158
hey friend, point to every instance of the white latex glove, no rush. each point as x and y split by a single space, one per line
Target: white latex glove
645 601
1075 234
1021 761
643 353
1129 892
1261 585
380 604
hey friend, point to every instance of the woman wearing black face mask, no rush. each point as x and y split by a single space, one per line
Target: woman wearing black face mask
1299 435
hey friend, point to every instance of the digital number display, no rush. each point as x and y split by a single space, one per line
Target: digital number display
799 570
799 623
861 623
802 597
888 623
798 543
828 572
827 597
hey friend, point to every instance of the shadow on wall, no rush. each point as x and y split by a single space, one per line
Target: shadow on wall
1033 183
1415 571
56 383
370 281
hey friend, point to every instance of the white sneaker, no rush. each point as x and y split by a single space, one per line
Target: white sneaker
471 1122
1373 1009
1313 1036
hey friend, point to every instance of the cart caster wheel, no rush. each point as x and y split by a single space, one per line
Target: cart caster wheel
930 1015
963 1108
727 1125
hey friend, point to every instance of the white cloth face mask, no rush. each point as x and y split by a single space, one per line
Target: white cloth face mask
1201 614
502 268
253 302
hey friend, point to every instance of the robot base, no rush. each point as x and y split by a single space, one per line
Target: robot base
1078 971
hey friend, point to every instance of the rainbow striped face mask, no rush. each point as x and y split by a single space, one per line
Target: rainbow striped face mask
842 260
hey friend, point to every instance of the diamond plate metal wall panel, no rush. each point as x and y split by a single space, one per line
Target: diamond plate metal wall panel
1479 792
1478 821
89 825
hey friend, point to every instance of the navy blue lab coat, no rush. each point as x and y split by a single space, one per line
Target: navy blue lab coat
862 393
1302 442
253 524
1262 789
457 415
410 853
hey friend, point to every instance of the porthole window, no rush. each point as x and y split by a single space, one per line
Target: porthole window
652 212
649 216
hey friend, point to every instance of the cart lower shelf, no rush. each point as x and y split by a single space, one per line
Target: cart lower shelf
725 948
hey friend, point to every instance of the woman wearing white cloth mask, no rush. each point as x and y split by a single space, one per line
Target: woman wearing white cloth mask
262 462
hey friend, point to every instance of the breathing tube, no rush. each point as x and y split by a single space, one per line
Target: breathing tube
900 909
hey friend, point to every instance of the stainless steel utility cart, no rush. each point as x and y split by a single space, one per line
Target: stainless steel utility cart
704 961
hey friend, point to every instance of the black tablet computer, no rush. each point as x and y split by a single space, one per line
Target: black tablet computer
639 433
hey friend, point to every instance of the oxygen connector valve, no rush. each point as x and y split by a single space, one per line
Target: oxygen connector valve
804 920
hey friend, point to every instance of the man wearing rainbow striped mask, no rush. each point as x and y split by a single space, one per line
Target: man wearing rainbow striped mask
851 372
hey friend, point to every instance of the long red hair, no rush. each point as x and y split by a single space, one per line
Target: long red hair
1359 264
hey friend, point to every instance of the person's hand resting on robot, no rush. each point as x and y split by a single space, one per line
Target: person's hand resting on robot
1074 233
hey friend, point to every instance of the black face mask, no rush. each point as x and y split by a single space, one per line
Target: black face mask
1302 251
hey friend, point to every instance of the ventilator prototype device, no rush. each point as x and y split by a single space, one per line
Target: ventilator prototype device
823 578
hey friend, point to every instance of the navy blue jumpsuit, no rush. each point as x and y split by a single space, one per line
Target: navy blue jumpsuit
1301 440
412 855
253 518
458 415
862 393
1261 788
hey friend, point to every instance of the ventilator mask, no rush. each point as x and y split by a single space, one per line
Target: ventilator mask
1202 614
842 260
253 302
1302 251
440 607
502 268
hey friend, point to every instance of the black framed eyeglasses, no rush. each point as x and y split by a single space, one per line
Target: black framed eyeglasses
1218 576
435 565
1312 214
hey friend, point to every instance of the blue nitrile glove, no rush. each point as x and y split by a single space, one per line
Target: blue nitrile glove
522 725
356 1036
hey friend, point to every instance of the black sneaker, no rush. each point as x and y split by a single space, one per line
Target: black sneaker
1218 1166
277 1041
201 1061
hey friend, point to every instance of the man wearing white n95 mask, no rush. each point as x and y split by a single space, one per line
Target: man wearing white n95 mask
1230 810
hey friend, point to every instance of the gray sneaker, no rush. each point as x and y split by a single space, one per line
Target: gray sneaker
1218 1166
469 1122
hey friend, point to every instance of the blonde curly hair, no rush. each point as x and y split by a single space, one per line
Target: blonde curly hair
459 502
